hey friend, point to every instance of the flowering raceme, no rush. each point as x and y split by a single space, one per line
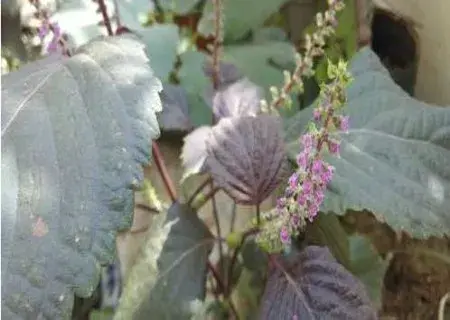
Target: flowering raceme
306 187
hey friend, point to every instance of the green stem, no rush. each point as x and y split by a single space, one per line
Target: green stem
233 261
258 215
198 191
201 199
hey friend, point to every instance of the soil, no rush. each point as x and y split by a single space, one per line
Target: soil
419 272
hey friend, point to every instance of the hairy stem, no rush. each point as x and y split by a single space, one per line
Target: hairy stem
217 223
216 275
217 42
160 164
106 21
217 4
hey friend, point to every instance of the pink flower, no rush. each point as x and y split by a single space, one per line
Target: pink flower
327 175
43 30
317 114
52 46
344 123
307 141
302 159
334 146
295 221
285 236
281 203
293 181
301 199
319 196
307 187
313 209
317 167
56 30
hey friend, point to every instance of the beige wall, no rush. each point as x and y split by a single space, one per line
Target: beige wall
432 21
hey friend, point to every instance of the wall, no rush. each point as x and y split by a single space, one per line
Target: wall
432 24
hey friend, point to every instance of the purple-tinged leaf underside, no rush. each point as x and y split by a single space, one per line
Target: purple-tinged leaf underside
313 285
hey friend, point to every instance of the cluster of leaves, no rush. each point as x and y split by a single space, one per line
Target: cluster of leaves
75 131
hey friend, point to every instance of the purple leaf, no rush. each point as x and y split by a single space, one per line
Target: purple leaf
193 154
313 285
175 114
246 157
242 98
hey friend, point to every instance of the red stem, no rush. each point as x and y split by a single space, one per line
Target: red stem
106 21
216 276
160 164
221 287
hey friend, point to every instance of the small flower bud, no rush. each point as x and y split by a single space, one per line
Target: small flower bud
317 113
308 42
333 146
344 123
264 106
275 92
319 19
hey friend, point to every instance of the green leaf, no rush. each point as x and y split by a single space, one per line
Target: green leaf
175 114
347 29
74 133
395 160
196 84
326 230
180 7
239 17
101 315
368 266
162 42
269 34
263 63
168 279
133 14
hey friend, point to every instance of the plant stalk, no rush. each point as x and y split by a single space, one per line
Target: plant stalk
217 42
160 164
106 20
198 190
233 261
